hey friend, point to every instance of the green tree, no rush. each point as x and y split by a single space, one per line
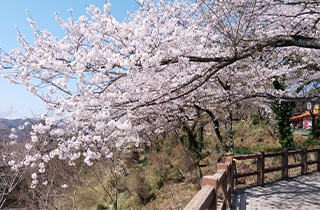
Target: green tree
283 112
317 128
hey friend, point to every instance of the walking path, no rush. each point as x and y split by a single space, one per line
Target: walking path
301 192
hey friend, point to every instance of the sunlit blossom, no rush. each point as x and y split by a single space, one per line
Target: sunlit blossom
34 176
28 146
64 186
113 84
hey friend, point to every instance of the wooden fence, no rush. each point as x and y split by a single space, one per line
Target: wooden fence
217 190
285 166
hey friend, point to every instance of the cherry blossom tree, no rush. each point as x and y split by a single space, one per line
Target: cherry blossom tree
10 154
112 82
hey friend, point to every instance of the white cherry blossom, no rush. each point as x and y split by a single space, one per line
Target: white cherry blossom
111 83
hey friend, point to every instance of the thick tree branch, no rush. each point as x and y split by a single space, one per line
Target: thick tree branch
216 127
277 41
315 98
293 40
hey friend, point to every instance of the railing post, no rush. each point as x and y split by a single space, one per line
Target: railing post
211 181
226 187
304 166
225 199
318 159
230 173
284 172
260 166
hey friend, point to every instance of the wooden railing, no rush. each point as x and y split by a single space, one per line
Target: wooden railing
285 166
216 190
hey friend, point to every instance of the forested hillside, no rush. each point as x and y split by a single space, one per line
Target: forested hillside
7 124
126 97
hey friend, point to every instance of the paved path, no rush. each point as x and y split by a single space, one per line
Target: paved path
301 192
303 132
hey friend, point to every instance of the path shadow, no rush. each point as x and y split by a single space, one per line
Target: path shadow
300 192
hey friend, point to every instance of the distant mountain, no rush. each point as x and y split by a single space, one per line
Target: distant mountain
7 124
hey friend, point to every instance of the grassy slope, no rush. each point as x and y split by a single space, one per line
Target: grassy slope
168 179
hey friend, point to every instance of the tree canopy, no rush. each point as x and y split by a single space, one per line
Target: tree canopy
110 83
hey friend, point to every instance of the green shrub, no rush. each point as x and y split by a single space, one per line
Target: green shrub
102 207
255 119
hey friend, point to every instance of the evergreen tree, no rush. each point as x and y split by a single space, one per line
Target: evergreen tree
317 128
283 111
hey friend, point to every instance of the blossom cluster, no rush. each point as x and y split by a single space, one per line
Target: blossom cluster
110 83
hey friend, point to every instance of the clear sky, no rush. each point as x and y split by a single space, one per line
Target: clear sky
13 12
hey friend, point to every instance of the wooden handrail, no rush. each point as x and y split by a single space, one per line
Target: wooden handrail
203 199
222 181
245 157
261 170
273 154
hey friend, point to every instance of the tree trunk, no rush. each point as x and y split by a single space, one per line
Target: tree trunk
199 173
216 128
313 128
115 202
228 126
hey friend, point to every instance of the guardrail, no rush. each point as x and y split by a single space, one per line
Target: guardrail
261 170
216 190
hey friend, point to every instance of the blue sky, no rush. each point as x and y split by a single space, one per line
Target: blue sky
13 12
